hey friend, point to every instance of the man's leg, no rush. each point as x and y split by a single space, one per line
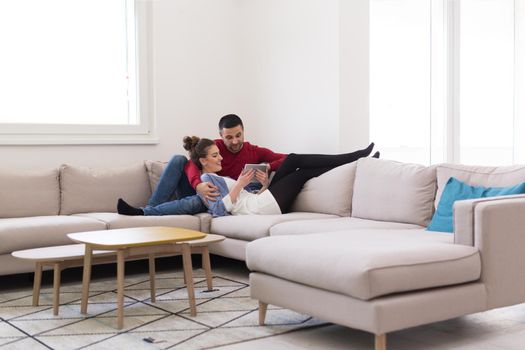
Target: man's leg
286 190
184 188
185 206
169 181
311 161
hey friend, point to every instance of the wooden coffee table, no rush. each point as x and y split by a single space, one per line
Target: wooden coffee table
136 241
72 255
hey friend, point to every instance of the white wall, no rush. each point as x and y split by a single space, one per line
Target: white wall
291 72
354 69
276 63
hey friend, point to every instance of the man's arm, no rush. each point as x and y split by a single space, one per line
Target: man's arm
268 156
193 173
206 190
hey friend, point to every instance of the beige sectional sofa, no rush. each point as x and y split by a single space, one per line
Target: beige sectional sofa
354 251
380 270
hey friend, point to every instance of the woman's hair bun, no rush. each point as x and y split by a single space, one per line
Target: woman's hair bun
189 142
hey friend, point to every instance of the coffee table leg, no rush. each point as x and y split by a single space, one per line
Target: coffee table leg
86 278
188 277
120 288
152 277
36 283
207 267
56 287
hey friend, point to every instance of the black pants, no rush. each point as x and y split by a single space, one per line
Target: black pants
299 168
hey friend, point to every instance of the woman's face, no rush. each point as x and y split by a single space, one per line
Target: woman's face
212 162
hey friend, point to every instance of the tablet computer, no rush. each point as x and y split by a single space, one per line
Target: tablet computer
261 167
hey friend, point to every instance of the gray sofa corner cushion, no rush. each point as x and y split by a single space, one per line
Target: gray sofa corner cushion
114 220
386 190
29 193
42 231
250 227
86 190
365 264
330 193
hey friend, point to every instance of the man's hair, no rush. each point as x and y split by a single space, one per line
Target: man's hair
230 121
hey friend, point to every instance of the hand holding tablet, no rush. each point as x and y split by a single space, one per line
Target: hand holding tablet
261 167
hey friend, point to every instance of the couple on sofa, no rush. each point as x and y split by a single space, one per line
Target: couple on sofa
215 172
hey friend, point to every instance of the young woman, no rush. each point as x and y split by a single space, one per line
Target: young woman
274 198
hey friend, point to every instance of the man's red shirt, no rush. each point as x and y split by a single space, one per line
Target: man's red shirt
233 163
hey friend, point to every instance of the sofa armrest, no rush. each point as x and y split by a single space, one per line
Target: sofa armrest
499 234
464 217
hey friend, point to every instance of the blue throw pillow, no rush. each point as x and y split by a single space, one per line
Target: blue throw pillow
456 190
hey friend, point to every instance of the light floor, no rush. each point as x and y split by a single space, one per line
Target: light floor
497 329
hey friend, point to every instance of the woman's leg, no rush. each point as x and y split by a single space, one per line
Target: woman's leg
185 206
287 188
310 161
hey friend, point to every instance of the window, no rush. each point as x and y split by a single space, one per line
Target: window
446 80
71 70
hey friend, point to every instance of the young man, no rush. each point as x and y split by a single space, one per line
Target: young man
181 177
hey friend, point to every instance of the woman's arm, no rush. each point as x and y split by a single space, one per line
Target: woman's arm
243 180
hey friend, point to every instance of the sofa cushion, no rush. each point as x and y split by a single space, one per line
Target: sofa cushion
487 176
330 193
86 190
29 193
114 220
339 224
42 231
155 169
365 264
250 227
386 190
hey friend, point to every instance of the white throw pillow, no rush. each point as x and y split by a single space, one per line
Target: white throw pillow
386 190
86 190
329 193
487 176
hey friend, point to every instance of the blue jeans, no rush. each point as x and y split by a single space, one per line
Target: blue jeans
174 182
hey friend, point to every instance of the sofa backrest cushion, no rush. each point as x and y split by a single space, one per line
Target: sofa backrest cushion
85 190
386 190
330 193
487 176
155 169
29 193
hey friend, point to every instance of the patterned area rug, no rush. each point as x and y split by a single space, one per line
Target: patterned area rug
225 316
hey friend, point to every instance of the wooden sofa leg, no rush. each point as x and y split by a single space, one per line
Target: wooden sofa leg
262 312
380 342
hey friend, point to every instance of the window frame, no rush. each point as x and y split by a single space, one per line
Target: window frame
140 71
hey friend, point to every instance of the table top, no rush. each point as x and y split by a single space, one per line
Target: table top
135 237
62 252
210 238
